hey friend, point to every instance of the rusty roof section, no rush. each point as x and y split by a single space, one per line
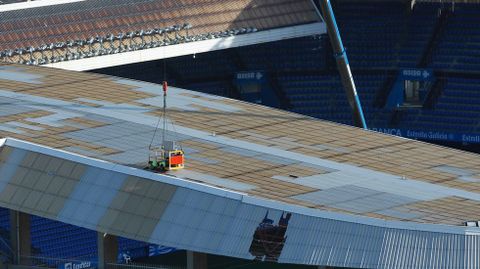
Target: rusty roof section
81 20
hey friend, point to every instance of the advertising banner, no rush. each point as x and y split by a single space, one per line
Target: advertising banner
154 250
417 74
77 265
431 135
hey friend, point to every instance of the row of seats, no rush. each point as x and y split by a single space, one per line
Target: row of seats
397 37
371 40
295 54
459 46
458 108
59 240
323 96
219 88
204 65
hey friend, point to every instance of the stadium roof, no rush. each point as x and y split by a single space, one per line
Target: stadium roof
85 19
69 34
357 198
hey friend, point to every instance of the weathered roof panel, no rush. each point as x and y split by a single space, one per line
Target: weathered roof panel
333 179
161 209
234 145
85 19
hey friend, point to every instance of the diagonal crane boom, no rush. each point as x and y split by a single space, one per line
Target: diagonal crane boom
342 61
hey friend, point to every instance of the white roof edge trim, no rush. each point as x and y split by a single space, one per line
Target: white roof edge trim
167 179
191 48
472 231
2 142
35 4
244 198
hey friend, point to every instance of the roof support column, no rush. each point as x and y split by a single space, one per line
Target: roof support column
20 237
107 249
196 260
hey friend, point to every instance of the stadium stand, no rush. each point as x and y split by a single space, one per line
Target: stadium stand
439 37
53 241
430 35
220 88
421 23
457 108
330 103
360 32
459 45
298 54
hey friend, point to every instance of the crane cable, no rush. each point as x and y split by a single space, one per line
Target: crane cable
163 116
164 86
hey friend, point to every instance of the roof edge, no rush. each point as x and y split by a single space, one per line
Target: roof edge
190 48
34 4
172 180
243 197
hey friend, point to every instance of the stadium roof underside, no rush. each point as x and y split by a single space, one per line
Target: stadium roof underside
92 34
330 194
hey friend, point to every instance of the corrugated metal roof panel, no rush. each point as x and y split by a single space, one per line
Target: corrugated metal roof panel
214 223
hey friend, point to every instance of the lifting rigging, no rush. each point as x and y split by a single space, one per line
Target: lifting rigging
169 156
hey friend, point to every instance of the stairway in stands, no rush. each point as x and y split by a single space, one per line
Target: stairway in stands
436 34
457 109
459 48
